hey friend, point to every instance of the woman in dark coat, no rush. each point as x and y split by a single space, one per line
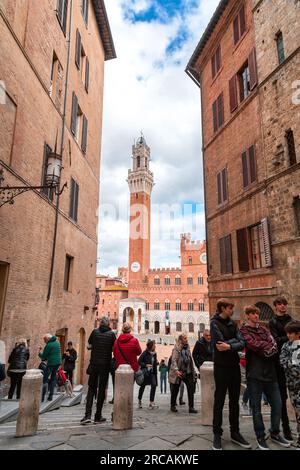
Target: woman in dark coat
70 357
17 367
148 363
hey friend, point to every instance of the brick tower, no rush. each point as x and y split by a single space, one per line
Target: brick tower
140 181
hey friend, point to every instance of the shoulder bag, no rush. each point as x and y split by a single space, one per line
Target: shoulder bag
139 375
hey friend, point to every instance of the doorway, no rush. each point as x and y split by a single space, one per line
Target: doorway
81 356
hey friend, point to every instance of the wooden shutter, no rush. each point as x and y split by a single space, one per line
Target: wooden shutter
86 18
242 248
236 30
72 197
220 110
253 69
219 183
215 115
242 21
218 59
266 243
65 15
74 114
76 197
213 66
228 254
245 170
84 134
87 75
252 164
222 256
60 7
233 94
224 185
78 49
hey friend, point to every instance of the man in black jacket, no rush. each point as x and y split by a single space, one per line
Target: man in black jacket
277 325
101 343
227 341
203 350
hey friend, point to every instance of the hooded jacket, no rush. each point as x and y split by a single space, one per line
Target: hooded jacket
101 343
130 347
226 331
290 361
261 353
52 353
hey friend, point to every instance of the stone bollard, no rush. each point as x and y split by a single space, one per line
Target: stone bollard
207 393
29 406
123 398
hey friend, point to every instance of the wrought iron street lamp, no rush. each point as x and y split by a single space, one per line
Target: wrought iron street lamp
52 179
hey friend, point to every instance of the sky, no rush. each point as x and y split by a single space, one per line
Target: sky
146 89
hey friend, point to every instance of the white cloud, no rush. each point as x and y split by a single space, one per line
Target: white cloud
145 89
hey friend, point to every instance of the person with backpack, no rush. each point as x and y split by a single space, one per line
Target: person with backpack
17 367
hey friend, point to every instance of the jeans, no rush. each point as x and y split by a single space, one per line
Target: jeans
271 389
189 382
97 382
153 384
163 384
226 379
283 393
49 371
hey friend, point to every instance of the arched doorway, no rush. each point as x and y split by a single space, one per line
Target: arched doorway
156 327
81 356
266 312
128 316
62 338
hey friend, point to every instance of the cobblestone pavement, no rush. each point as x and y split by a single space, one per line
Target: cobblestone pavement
152 430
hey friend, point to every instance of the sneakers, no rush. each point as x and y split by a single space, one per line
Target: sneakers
217 442
288 436
238 439
86 420
278 439
152 406
140 404
99 420
192 410
262 444
174 409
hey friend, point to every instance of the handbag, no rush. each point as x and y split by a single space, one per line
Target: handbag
139 375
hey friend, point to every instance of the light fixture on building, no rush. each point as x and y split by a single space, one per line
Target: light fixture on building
52 179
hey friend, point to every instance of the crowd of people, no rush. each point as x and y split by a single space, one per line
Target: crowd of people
268 358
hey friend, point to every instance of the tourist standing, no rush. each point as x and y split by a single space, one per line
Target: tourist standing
51 354
163 369
17 367
148 363
69 358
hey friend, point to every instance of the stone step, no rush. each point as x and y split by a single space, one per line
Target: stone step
72 401
52 405
8 410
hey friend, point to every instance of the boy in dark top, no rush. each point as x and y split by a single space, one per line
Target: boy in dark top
261 351
227 342
277 328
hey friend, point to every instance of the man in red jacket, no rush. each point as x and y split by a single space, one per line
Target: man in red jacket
127 349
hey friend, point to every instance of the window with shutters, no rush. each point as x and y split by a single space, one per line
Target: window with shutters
84 134
68 273
216 62
178 305
225 255
249 167
280 47
48 192
296 205
290 140
85 11
222 187
56 81
244 82
62 14
242 249
74 198
260 245
233 94
218 112
239 25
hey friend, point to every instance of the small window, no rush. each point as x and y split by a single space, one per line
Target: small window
249 167
190 281
178 306
296 205
167 305
74 196
280 47
156 281
239 25
216 62
201 307
222 186
244 82
147 325
178 281
85 11
62 14
156 305
68 273
291 147
138 161
56 81
225 255
190 260
200 281
147 305
167 281
190 306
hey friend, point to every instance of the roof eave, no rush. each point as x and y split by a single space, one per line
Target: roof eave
104 29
